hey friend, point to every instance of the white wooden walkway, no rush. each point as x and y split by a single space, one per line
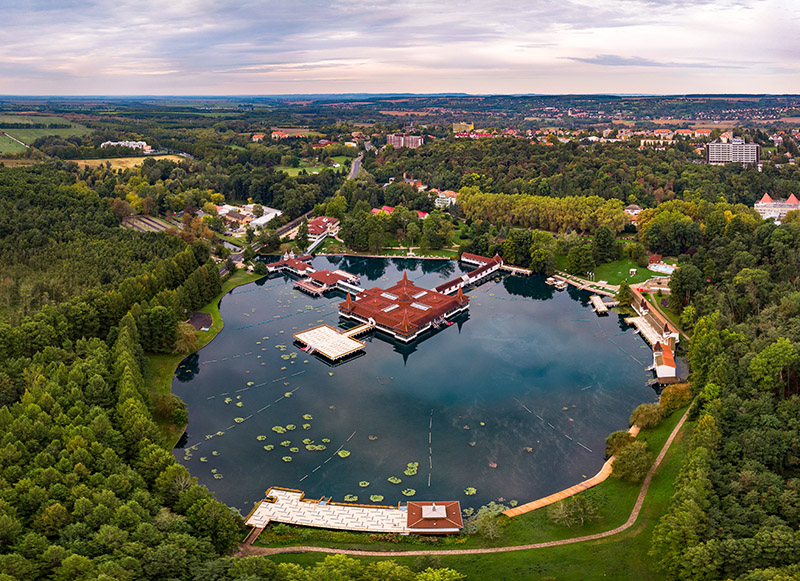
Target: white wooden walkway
290 508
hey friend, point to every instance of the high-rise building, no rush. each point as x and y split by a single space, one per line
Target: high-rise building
404 140
732 151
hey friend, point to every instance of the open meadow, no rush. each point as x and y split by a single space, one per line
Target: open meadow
29 135
124 162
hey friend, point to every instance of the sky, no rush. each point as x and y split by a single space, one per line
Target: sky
244 47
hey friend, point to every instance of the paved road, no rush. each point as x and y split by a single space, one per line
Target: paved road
355 166
246 550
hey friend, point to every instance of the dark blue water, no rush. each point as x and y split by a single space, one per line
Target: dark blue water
531 380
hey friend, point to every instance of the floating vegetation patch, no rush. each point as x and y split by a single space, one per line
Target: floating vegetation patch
409 492
307 440
330 373
483 423
284 357
269 447
363 483
291 427
279 429
213 471
294 449
513 503
286 443
469 491
261 438
287 458
282 368
251 383
214 453
218 476
376 497
238 420
411 469
315 447
306 426
308 417
350 497
343 453
394 480
227 400
239 404
287 394
326 440
203 459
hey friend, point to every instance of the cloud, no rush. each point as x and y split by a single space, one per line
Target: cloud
231 46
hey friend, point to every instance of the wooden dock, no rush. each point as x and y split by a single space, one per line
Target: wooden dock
331 343
599 306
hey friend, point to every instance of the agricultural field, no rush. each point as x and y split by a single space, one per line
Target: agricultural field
146 224
9 146
16 162
298 131
30 135
124 162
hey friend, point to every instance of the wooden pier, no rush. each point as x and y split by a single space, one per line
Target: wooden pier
330 342
599 306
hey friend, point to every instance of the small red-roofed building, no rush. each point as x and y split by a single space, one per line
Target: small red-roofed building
258 137
664 364
278 135
322 226
434 518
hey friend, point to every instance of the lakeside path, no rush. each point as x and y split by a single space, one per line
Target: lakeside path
248 550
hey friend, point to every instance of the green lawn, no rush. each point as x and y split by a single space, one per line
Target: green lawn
160 369
621 557
9 146
617 271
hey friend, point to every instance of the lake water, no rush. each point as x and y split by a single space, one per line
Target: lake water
515 400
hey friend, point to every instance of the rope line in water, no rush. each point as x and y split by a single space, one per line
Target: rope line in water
527 409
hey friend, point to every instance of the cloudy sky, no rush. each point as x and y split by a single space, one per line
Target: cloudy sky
204 47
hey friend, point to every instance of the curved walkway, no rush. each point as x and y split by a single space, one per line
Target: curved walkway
247 550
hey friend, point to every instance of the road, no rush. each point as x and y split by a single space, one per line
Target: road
355 166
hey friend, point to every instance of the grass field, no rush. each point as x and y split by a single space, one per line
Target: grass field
19 162
621 557
298 131
8 145
124 162
30 135
617 271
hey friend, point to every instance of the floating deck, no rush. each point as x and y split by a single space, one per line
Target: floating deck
599 306
329 342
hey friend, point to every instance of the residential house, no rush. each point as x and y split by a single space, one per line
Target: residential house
258 137
322 226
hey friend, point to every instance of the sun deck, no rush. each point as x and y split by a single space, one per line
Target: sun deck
329 342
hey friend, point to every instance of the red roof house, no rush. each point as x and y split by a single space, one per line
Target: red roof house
436 518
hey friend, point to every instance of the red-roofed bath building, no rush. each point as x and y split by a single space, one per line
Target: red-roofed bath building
404 310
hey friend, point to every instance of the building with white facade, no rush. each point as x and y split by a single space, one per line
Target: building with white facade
732 151
776 209
404 140
132 144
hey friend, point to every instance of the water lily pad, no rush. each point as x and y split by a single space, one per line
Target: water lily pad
214 453
218 476
213 470
330 373
469 491
287 394
239 404
251 383
343 453
350 497
394 480
308 417
287 458
483 423
294 449
326 440
307 440
363 484
376 497
261 438
227 400
238 420
279 429
286 443
409 492
203 459
291 427
306 426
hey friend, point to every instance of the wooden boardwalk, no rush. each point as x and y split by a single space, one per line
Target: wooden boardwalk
604 473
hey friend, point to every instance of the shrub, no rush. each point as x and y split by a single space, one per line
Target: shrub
616 441
647 415
576 510
632 462
674 397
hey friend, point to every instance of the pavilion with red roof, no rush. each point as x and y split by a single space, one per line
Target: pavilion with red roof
768 207
404 310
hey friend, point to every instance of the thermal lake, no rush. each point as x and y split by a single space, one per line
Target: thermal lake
515 400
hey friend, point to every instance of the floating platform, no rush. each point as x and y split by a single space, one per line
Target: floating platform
599 306
330 342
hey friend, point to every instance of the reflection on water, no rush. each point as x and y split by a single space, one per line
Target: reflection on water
514 400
